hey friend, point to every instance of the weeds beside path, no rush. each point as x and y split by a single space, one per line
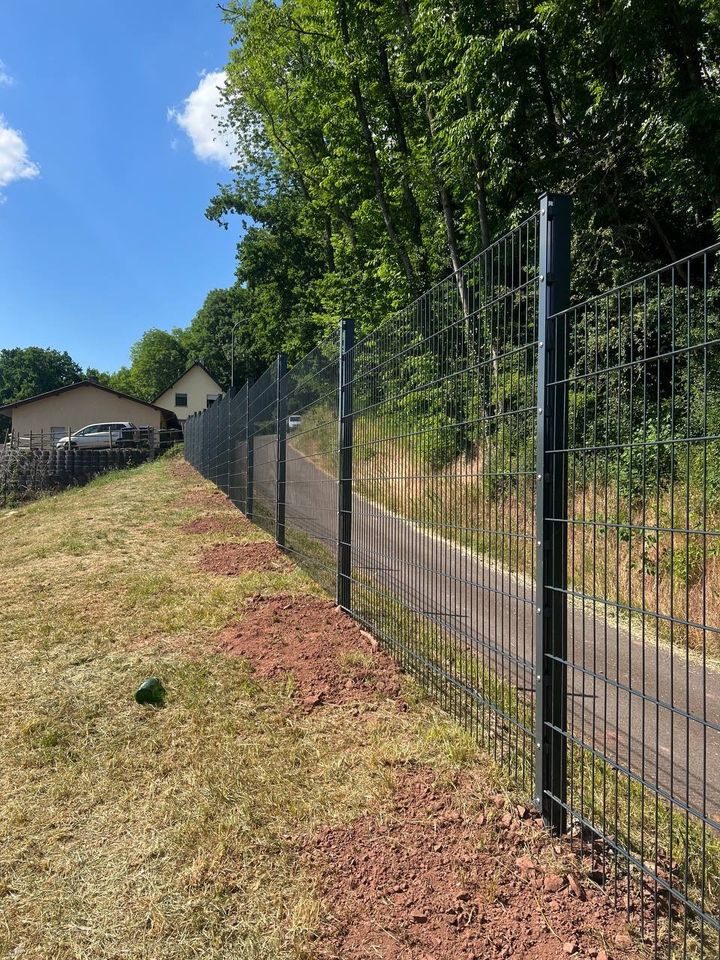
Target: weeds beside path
249 818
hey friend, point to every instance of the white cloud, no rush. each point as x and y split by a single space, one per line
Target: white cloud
5 79
15 164
200 117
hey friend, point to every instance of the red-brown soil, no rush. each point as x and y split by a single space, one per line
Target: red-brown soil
231 559
331 659
447 876
224 523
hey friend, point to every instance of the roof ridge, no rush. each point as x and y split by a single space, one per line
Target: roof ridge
195 363
83 383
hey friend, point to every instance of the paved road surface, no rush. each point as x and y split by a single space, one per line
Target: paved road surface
615 679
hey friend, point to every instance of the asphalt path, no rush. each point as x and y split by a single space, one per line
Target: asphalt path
651 710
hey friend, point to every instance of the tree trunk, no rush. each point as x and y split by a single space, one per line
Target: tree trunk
545 87
442 188
286 147
329 252
547 96
377 176
399 128
481 196
479 185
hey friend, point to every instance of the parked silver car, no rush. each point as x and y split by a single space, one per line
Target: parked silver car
98 436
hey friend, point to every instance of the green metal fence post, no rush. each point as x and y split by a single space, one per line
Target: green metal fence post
345 458
551 514
250 455
281 432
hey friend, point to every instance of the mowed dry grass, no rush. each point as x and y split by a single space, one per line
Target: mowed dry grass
130 832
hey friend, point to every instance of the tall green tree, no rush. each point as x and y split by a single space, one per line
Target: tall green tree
92 373
208 336
123 381
383 142
157 359
27 371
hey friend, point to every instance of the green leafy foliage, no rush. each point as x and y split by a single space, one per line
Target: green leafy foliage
26 371
209 335
157 359
383 142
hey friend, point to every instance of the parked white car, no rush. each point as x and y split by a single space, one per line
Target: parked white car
97 436
294 421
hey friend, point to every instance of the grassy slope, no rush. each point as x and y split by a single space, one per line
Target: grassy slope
131 832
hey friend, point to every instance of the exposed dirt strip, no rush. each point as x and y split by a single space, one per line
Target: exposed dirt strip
449 875
222 523
232 559
326 654
448 871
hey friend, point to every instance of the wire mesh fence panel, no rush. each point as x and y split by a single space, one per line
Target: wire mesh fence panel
219 407
219 464
211 445
215 444
201 445
196 447
262 438
207 446
310 391
237 448
207 441
524 505
189 441
643 534
212 451
444 414
196 441
225 441
209 453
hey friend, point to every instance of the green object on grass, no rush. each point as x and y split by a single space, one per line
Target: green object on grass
151 691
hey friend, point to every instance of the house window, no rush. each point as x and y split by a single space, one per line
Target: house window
212 397
180 399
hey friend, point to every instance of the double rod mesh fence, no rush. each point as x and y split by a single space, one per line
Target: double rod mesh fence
521 499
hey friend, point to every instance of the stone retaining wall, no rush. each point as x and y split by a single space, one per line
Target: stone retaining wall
26 473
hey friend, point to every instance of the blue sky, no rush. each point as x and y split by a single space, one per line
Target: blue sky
107 162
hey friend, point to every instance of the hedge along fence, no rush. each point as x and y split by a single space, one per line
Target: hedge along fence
24 474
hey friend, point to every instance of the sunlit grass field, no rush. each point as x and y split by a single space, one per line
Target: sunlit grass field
131 832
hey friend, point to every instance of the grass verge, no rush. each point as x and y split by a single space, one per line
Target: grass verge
135 832
649 852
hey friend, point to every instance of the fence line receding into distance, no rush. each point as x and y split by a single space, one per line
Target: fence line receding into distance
521 499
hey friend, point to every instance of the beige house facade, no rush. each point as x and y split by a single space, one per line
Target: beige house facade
191 393
81 404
